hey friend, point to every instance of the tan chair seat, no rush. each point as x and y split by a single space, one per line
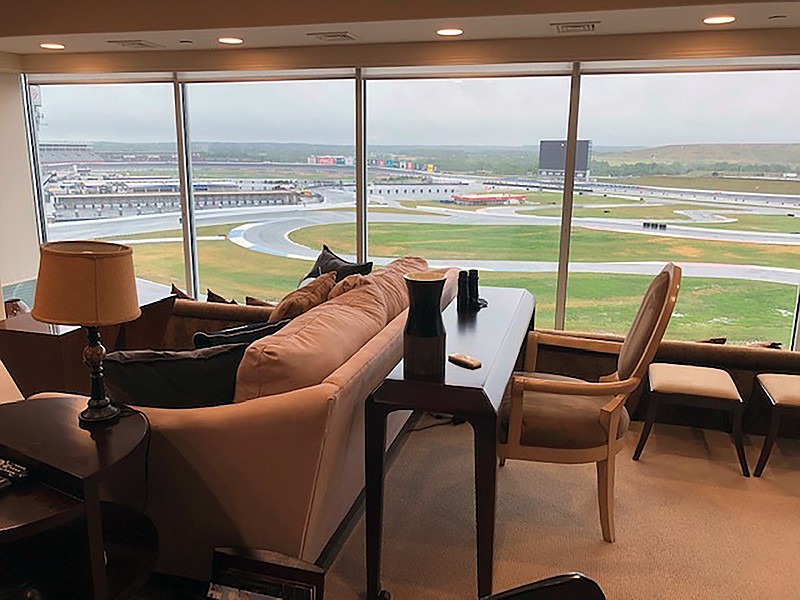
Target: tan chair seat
784 390
560 421
689 380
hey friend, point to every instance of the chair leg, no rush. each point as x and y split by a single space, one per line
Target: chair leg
605 496
650 418
737 438
502 462
772 434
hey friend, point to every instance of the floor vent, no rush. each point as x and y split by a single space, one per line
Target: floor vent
575 26
135 44
333 36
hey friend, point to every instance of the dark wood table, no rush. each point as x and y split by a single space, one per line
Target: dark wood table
113 547
42 357
495 336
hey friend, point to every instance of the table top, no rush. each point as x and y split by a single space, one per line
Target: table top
149 292
44 434
493 335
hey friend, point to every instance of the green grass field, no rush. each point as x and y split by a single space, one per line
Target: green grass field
723 184
537 243
740 310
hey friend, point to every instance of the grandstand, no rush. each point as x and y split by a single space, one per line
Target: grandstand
64 153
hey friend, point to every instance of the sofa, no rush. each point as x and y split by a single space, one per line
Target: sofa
279 468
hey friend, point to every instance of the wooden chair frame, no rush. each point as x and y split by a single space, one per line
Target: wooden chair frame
609 415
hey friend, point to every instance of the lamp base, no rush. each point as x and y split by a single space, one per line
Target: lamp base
101 414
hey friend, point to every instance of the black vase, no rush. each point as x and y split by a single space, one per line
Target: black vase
424 338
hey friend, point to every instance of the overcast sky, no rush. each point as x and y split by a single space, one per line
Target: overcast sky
618 110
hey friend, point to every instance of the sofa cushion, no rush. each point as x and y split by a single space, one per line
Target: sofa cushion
244 334
312 346
391 282
173 379
327 262
350 282
305 298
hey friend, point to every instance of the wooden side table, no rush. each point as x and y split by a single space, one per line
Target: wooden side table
42 357
66 465
495 336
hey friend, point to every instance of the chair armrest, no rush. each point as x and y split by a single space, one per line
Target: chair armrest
582 388
565 340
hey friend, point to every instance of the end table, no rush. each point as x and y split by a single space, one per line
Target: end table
60 503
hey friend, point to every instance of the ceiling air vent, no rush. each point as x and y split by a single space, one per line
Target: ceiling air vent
333 36
575 26
135 44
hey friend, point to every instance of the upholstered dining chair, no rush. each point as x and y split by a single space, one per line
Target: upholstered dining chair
558 419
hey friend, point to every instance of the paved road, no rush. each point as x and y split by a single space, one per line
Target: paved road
269 227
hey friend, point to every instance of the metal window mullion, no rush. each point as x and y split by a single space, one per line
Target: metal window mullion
190 262
33 159
566 206
361 167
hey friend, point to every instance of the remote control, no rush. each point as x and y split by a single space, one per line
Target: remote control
11 470
462 360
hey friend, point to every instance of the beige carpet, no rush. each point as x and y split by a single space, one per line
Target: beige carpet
688 524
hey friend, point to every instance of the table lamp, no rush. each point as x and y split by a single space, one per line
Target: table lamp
89 284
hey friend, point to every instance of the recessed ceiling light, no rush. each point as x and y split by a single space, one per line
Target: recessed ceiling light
720 20
230 40
186 42
449 32
771 17
52 46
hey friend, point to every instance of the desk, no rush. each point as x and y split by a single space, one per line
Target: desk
55 516
42 357
495 336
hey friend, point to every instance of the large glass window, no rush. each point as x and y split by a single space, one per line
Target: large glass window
273 169
109 169
453 176
696 168
108 163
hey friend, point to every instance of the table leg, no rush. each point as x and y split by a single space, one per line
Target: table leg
484 428
94 527
375 444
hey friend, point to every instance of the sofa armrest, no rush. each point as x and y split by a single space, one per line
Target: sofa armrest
190 316
240 474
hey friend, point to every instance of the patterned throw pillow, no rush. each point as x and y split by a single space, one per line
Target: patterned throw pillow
304 298
179 293
251 301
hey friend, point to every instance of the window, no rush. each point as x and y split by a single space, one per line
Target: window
697 168
108 162
273 179
478 139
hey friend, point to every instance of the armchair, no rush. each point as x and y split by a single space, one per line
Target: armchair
559 419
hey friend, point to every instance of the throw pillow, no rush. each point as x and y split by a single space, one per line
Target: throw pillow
350 282
179 293
251 301
304 298
327 261
212 297
244 334
173 379
391 282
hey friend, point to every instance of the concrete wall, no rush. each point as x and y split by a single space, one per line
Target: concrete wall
19 244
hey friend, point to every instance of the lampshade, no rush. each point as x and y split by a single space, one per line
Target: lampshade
85 283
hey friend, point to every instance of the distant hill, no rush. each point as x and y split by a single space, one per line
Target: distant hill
744 154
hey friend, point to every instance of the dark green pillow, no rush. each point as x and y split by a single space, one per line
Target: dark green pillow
244 334
173 379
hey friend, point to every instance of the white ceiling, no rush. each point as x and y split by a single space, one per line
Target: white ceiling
755 15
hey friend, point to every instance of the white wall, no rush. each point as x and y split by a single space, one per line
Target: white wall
19 245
